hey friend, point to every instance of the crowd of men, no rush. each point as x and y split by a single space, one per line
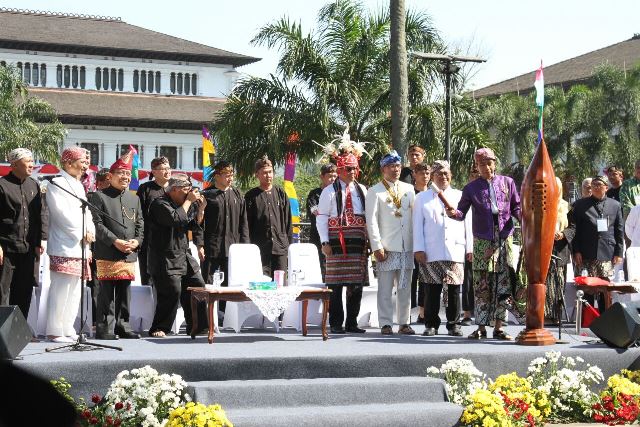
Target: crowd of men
430 242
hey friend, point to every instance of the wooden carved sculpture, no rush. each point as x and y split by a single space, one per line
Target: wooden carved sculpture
539 198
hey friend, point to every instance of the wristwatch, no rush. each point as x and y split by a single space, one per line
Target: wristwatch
325 243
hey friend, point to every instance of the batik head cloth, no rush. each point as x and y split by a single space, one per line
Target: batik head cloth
346 160
72 154
440 165
17 154
390 158
483 154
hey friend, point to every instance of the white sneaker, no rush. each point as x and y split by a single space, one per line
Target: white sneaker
61 340
74 337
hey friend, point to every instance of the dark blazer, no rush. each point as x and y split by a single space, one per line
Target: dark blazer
223 227
594 245
169 252
272 238
125 207
22 215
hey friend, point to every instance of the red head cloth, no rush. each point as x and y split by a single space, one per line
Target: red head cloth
125 162
484 153
72 154
347 160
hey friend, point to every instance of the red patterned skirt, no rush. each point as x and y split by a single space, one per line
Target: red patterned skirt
348 268
71 266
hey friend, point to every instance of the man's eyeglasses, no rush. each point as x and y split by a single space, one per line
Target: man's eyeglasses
122 172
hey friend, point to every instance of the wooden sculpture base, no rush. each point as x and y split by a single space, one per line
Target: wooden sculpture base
535 337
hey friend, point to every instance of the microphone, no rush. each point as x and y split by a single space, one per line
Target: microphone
441 196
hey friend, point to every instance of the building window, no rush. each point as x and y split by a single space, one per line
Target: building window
74 76
114 80
187 84
124 148
135 80
59 75
19 66
27 73
170 153
67 76
120 79
157 81
83 77
105 78
94 151
98 78
194 84
150 81
180 83
143 81
43 75
35 75
172 83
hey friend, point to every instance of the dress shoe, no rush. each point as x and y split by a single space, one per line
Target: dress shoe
130 335
406 330
355 330
455 331
429 332
106 336
338 330
386 330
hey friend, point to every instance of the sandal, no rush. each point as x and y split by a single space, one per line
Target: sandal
478 334
499 334
158 334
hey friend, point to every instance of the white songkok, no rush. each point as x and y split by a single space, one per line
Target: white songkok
17 154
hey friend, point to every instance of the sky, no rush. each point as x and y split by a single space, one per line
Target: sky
513 35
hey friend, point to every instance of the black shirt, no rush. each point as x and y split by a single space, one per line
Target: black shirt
148 192
21 214
614 193
225 221
313 199
406 175
269 219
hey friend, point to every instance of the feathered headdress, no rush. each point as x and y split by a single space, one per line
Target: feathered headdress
342 147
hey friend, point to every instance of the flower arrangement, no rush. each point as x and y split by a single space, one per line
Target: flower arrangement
485 409
198 415
525 405
462 378
568 383
616 408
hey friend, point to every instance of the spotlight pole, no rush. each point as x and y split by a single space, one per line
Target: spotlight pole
449 67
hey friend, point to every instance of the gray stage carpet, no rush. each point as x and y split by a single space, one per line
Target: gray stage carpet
264 354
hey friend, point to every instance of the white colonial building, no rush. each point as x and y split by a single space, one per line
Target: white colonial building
114 84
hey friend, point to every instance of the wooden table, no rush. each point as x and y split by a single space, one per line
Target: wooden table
211 296
622 288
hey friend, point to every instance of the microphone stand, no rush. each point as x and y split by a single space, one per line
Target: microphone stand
82 344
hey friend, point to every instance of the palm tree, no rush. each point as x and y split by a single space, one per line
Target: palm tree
399 78
26 121
336 75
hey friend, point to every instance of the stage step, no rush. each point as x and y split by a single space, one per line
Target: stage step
366 401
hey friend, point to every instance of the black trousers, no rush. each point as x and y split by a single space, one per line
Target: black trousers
414 287
172 290
273 262
432 305
112 307
467 287
17 279
145 277
94 284
336 312
209 266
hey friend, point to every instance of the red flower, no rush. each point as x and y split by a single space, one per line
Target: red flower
119 405
117 422
86 414
93 420
95 398
109 420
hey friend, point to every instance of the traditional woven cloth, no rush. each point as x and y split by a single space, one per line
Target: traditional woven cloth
71 266
273 303
445 272
115 270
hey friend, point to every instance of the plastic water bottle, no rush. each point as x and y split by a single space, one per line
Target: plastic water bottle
584 272
620 278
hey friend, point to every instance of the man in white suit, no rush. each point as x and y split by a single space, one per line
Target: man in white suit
389 207
440 244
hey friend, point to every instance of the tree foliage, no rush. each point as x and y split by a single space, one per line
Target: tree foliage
26 121
335 75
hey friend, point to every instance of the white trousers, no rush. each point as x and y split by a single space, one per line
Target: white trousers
63 304
386 282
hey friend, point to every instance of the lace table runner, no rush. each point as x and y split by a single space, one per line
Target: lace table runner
273 303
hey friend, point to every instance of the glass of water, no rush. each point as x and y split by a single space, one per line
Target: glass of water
218 278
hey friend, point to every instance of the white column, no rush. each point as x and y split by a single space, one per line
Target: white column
165 77
128 79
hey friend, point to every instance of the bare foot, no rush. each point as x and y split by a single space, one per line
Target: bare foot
158 334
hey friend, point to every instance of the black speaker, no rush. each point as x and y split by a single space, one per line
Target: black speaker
15 332
618 326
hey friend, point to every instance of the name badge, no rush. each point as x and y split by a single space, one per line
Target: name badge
603 224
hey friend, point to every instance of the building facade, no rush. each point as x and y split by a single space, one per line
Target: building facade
114 84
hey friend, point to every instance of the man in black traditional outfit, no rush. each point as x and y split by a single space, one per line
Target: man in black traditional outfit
225 223
21 231
148 192
172 267
269 217
115 251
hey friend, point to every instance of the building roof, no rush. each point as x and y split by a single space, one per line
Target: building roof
98 108
103 36
625 54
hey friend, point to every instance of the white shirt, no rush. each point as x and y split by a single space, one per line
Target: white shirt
65 218
327 206
632 226
434 233
386 230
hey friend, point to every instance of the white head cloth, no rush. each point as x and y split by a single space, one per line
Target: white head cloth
17 154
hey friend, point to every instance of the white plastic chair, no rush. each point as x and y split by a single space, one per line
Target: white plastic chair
304 257
245 265
142 307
